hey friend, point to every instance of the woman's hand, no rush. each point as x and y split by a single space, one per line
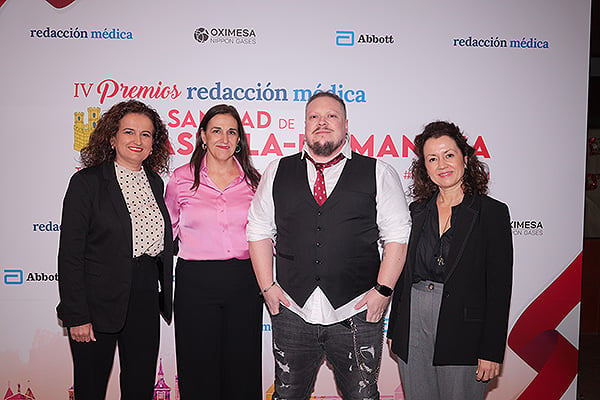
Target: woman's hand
82 333
273 297
487 370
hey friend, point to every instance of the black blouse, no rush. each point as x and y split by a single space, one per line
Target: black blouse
433 250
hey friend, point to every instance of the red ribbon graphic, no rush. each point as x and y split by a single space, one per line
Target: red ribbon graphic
53 3
535 339
60 3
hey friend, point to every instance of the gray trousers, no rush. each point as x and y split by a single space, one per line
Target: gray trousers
420 378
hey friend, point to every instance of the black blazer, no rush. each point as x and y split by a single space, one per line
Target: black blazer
473 317
95 251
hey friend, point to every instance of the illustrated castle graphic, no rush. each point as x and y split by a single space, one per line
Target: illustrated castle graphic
162 391
28 395
81 130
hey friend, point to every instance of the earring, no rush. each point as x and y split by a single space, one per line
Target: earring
238 148
203 145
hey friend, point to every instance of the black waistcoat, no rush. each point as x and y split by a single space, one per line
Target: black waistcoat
333 246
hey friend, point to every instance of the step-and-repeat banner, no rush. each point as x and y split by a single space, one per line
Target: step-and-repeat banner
512 74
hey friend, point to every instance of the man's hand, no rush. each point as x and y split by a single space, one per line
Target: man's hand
392 262
273 297
376 305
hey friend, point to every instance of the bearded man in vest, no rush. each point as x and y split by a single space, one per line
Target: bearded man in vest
326 211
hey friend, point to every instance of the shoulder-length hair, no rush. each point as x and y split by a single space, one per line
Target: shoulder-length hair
475 178
251 175
99 149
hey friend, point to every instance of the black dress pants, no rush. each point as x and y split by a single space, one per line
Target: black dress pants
138 344
218 330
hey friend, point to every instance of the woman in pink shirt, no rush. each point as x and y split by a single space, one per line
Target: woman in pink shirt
218 309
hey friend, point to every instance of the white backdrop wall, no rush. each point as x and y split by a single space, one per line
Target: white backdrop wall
512 74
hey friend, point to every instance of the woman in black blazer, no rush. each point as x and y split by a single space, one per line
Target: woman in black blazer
449 317
115 257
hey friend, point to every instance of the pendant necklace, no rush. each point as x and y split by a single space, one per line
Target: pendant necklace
440 259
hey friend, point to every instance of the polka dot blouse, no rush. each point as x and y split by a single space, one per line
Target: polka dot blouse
147 222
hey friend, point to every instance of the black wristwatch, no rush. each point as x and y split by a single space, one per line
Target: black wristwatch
384 290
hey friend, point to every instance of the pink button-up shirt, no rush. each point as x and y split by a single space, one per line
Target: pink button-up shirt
210 223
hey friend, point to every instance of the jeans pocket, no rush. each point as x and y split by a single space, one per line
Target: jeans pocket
362 317
282 309
368 345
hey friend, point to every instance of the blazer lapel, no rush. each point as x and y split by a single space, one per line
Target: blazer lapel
116 197
158 196
465 222
418 214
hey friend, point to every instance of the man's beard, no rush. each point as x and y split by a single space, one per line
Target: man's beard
324 149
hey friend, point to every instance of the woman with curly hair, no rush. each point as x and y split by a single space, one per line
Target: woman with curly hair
449 317
208 200
115 257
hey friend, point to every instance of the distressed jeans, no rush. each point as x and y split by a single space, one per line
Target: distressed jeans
352 348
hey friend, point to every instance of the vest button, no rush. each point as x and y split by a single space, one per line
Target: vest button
317 262
319 229
318 244
319 213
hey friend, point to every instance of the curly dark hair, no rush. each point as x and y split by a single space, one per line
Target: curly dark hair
99 149
475 178
251 175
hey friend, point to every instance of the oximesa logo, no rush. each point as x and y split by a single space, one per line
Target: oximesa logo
527 227
201 35
225 36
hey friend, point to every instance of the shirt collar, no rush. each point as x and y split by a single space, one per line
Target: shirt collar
127 171
204 170
346 150
431 203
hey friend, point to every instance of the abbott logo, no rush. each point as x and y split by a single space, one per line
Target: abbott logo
344 38
13 276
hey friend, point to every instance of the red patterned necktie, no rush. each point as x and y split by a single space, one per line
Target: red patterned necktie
319 188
